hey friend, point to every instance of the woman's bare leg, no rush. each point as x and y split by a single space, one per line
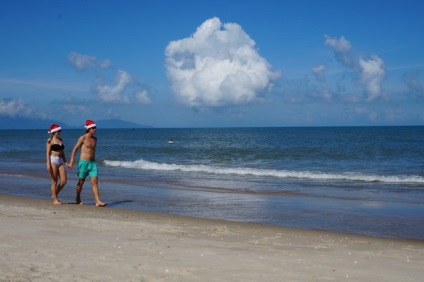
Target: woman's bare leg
63 179
54 173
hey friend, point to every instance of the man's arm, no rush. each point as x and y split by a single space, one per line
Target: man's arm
74 151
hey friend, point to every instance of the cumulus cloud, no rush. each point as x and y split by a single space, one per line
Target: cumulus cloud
342 50
14 107
105 90
217 66
372 72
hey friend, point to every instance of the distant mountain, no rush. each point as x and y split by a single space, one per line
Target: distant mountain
117 123
28 123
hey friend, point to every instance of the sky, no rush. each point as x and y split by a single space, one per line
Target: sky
214 63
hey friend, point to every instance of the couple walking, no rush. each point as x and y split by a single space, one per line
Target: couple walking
87 166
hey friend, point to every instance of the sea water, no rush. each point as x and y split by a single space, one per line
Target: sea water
361 180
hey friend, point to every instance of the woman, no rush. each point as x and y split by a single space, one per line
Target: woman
55 156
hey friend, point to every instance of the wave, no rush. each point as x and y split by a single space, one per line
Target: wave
309 175
16 175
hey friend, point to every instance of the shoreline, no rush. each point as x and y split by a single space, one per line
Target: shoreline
43 241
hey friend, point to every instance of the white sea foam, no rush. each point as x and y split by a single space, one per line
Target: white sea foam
312 175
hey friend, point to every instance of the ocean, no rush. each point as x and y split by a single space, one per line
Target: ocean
355 180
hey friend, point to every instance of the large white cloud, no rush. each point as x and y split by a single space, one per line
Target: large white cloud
372 73
217 66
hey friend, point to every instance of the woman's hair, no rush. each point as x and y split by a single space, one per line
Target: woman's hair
50 137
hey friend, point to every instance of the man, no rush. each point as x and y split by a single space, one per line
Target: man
87 165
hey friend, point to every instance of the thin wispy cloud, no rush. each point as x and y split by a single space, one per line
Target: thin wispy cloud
342 50
14 108
319 71
369 72
39 84
143 97
108 90
414 84
114 93
82 62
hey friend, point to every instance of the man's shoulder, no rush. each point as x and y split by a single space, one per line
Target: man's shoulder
87 136
82 137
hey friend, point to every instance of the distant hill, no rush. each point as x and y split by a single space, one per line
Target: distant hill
28 123
117 123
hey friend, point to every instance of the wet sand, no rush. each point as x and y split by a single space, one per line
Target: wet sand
45 242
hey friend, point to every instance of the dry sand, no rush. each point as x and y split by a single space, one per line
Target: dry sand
44 242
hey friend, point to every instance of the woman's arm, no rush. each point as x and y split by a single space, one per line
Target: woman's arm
48 152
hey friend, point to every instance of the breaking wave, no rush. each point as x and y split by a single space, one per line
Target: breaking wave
310 175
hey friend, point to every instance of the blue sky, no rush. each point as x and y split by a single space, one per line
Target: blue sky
214 63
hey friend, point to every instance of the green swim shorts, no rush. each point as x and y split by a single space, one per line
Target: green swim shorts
86 168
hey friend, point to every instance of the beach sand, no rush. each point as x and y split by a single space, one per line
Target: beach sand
44 242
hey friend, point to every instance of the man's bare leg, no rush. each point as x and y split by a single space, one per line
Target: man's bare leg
79 189
95 187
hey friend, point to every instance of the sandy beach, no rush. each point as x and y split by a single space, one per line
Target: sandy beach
44 242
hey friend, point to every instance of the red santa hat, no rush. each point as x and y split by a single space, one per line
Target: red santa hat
89 124
54 127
